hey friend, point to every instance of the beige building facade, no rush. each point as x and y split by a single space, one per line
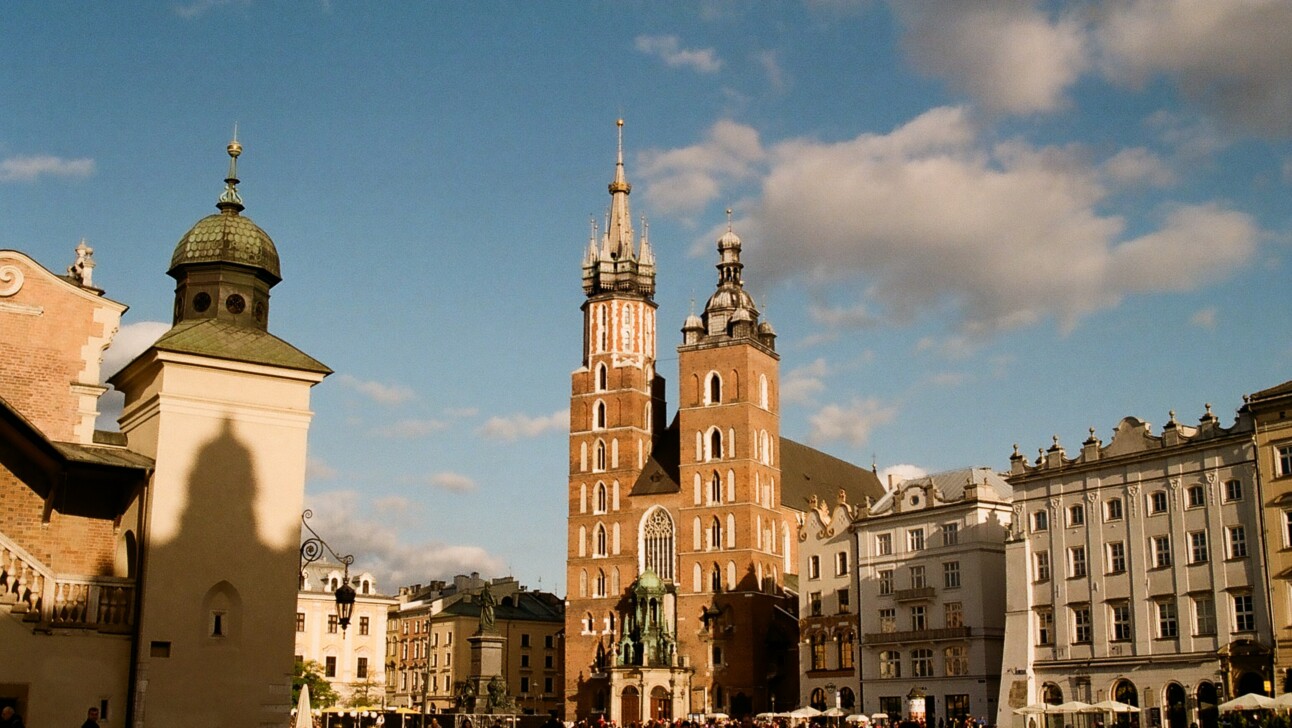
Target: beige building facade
1271 412
353 657
828 618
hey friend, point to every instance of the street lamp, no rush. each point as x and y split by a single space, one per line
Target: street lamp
311 551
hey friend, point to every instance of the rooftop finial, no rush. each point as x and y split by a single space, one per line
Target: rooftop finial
620 123
230 201
728 219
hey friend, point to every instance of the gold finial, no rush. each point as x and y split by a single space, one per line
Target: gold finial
230 201
728 219
234 147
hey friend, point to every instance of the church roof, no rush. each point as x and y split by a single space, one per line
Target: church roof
805 472
223 340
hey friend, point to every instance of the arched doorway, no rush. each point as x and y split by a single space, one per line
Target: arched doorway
1173 706
847 698
1124 691
1208 699
661 707
818 699
1051 694
630 706
1249 682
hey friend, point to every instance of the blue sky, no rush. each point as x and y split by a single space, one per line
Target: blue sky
972 224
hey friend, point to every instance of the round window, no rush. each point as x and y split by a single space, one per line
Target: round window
201 302
235 303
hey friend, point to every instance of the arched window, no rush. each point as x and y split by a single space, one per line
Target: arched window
599 589
731 531
583 583
715 444
657 544
589 622
602 377
762 391
599 463
715 488
599 499
697 579
715 579
599 541
715 534
715 388
599 415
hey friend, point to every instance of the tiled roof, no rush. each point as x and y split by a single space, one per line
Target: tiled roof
212 337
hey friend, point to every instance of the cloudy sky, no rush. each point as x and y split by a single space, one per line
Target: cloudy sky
972 224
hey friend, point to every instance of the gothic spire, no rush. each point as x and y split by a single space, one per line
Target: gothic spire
616 264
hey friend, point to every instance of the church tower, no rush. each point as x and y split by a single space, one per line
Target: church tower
616 414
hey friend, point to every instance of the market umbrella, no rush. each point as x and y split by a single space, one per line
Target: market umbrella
303 709
1034 709
1250 701
879 716
1283 702
1115 706
1075 706
857 718
806 711
835 713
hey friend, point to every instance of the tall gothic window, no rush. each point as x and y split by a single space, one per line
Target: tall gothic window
602 377
658 544
599 502
715 388
715 533
715 488
600 462
715 444
599 537
599 416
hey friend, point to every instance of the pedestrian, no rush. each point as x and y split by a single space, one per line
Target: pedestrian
91 718
9 718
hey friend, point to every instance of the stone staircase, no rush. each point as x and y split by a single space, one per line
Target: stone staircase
31 593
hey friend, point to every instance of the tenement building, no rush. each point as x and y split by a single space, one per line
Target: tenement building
151 571
1136 573
428 652
681 535
931 572
1271 412
351 656
827 608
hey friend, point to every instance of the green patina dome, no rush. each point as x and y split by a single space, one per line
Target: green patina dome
227 237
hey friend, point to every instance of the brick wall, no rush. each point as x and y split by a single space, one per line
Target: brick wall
67 544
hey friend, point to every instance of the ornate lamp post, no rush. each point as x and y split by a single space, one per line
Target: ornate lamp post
312 550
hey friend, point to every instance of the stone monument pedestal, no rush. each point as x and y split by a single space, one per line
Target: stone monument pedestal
486 664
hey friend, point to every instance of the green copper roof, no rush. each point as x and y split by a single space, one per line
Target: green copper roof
227 237
212 337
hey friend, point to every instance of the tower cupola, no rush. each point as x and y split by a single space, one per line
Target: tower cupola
730 313
225 264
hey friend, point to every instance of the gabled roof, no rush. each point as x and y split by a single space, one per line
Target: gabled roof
223 340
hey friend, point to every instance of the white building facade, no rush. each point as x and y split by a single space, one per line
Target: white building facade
352 658
828 627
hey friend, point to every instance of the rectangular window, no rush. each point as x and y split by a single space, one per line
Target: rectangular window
955 616
1204 615
1237 542
1198 547
917 577
814 603
300 621
841 563
329 667
363 625
885 582
915 539
1285 460
1116 557
1113 509
814 567
1233 490
956 660
922 663
1042 559
524 660
1161 551
1077 561
524 639
547 685
1044 626
845 600
951 574
888 620
361 669
547 641
1157 501
1041 521
1197 496
890 664
331 624
950 534
1167 622
548 661
919 619
1081 628
884 544
1244 613
1121 619
1076 515
524 684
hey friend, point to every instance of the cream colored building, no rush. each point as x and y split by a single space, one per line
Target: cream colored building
828 619
353 657
1136 573
930 563
138 564
1271 411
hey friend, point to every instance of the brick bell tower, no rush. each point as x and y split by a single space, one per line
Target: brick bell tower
731 559
617 410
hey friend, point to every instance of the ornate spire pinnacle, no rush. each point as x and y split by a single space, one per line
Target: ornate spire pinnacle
230 201
616 264
619 228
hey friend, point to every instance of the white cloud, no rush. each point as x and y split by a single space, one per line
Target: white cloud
668 48
1138 166
856 316
1010 56
317 468
130 342
517 426
801 384
410 429
685 180
930 217
349 524
387 394
902 471
27 168
1230 57
949 379
1204 318
853 423
455 482
777 79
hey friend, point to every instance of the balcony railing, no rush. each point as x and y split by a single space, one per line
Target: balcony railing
36 595
911 595
918 635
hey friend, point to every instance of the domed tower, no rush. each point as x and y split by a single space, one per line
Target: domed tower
225 265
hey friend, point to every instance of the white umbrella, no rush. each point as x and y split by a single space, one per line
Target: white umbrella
879 716
303 709
1250 701
835 713
857 718
1283 702
1034 709
806 711
1115 706
1075 706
